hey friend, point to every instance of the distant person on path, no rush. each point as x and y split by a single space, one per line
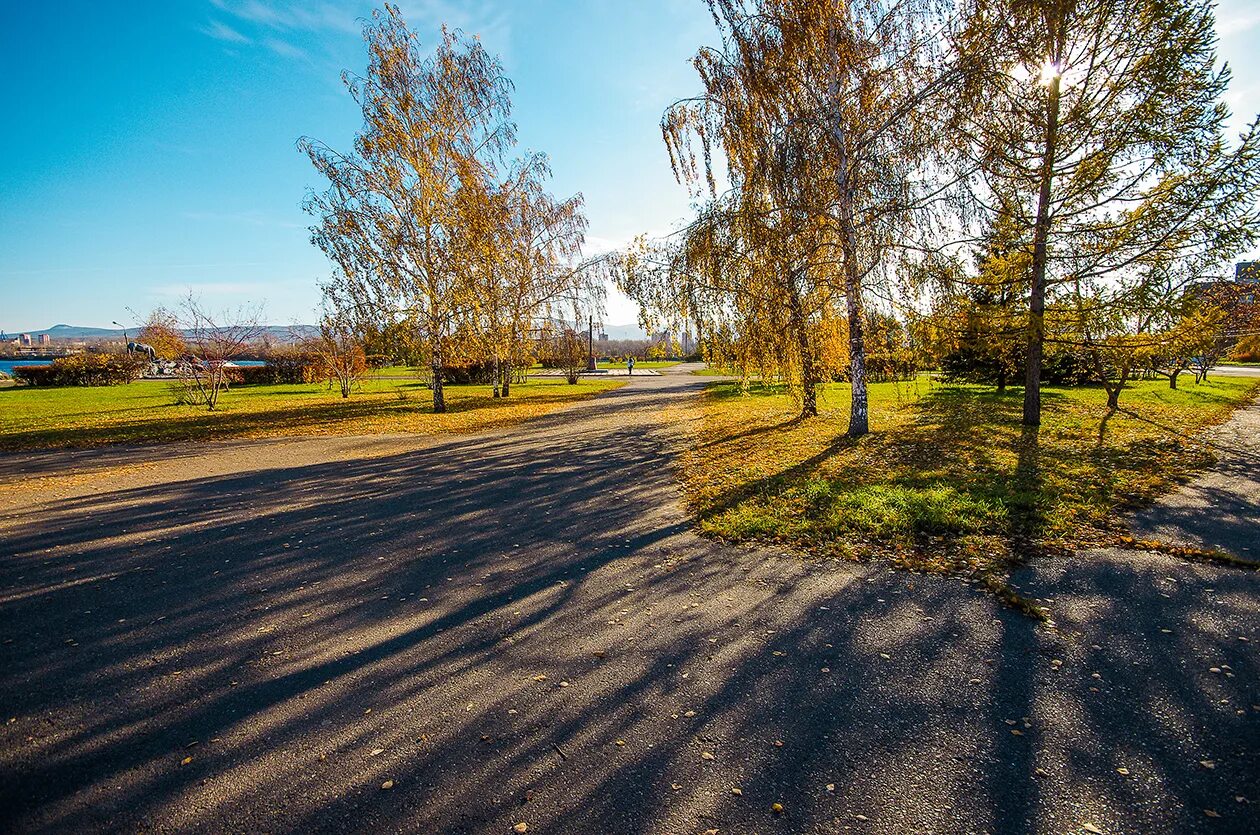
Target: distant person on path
630 365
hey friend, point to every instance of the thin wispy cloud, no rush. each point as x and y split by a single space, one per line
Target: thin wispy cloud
284 49
1237 24
223 32
489 21
307 16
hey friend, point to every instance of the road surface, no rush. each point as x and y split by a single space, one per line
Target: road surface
465 634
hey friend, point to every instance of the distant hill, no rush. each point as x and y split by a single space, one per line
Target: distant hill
278 333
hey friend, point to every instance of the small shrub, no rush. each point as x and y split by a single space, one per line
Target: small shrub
282 368
84 370
1247 350
185 392
468 373
34 375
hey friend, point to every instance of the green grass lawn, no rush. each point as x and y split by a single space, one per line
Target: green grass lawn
947 480
144 412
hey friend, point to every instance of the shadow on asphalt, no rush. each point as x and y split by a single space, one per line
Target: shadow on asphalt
279 626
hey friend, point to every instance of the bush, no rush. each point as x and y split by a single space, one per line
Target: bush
1062 366
34 375
1247 350
282 368
468 373
84 370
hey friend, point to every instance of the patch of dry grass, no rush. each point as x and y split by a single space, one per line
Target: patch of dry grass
948 481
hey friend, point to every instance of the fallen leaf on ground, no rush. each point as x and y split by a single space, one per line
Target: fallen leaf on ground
387 785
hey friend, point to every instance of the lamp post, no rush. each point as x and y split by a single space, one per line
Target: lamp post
124 330
590 343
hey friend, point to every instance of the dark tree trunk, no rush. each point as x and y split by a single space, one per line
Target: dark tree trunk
495 377
1041 234
507 378
859 410
439 396
809 374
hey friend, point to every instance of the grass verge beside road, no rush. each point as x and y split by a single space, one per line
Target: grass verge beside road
947 481
143 412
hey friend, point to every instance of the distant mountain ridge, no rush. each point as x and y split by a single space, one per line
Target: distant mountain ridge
276 332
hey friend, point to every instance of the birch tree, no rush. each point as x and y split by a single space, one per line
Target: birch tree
392 217
823 111
530 265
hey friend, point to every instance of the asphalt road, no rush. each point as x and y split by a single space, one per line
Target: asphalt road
520 627
1221 508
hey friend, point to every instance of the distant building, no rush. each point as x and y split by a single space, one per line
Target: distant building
603 337
45 339
1247 272
25 340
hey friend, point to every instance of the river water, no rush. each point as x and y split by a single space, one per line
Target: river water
6 366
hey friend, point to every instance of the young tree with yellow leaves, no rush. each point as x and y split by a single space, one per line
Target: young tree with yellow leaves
824 114
400 207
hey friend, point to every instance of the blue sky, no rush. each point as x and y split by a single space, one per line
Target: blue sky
149 146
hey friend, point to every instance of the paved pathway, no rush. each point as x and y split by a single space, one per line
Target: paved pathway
1221 508
520 628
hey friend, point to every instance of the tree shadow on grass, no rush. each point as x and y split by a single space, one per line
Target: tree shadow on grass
226 423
